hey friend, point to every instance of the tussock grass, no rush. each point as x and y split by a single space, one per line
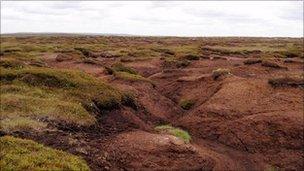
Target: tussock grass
168 129
20 154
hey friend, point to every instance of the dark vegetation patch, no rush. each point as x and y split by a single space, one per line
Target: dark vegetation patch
119 67
182 63
37 63
290 60
163 50
63 57
173 63
11 50
123 72
220 72
224 51
292 52
191 57
186 104
84 51
11 63
252 61
285 81
272 64
90 61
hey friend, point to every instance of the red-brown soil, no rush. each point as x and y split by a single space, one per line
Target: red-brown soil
239 122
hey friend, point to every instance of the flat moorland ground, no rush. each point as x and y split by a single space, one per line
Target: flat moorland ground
74 102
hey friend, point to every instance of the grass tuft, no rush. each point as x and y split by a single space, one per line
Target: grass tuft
168 129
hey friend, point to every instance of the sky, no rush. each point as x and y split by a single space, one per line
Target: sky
156 18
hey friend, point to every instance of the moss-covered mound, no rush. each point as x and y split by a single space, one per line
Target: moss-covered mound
30 95
19 154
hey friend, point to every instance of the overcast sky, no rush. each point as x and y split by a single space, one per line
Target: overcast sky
170 18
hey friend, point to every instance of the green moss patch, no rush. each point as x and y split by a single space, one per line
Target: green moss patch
168 129
20 154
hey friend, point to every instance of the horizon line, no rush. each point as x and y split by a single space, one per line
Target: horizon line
140 35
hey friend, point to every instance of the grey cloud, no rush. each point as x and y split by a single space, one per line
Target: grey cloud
162 18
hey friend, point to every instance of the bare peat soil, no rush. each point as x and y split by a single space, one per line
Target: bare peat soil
238 122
